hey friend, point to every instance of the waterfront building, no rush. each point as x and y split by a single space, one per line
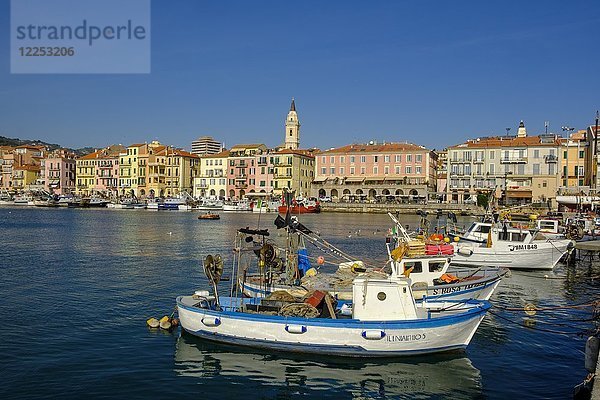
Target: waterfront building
132 170
441 175
293 170
212 177
388 171
575 154
59 172
25 167
206 145
6 164
241 169
98 172
292 129
515 170
170 171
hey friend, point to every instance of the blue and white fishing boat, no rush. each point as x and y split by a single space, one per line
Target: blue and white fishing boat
385 321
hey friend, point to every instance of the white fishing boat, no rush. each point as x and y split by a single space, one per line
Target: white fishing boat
429 270
385 320
511 247
237 206
208 204
263 207
24 200
153 204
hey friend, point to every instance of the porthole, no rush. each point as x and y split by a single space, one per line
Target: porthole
381 296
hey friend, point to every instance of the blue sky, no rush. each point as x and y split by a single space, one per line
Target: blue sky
430 72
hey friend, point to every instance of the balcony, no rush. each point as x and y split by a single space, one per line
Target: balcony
513 160
283 175
478 161
551 158
241 186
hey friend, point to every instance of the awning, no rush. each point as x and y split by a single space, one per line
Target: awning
320 179
521 194
355 179
376 178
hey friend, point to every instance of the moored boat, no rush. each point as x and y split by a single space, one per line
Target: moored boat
209 215
301 206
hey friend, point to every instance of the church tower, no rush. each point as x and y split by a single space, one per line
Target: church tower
522 132
292 129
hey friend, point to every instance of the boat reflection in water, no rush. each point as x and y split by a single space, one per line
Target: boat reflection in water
427 376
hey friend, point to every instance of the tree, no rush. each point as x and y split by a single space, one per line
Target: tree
482 200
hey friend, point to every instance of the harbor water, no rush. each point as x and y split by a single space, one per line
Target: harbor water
78 285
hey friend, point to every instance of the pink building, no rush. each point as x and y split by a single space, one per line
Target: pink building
59 172
402 172
242 166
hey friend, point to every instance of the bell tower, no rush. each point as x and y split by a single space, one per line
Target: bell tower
292 128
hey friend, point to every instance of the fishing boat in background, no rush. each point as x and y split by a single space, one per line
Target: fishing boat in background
301 206
237 206
208 204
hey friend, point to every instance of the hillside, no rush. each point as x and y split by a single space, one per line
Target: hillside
6 141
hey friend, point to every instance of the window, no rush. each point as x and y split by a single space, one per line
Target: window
418 169
409 158
341 171
398 158
375 158
332 160
418 158
351 170
581 154
332 170
565 154
323 171
521 169
536 168
386 170
550 169
352 159
375 170
536 154
492 152
397 170
323 160
436 266
491 169
342 159
408 169
482 229
362 170
386 158
416 266
363 159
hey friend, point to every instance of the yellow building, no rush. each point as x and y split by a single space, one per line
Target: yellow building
132 170
293 170
212 177
574 157
169 171
25 176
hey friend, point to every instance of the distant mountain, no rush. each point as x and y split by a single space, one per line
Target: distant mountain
5 141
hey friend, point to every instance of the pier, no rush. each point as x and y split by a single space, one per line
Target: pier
412 208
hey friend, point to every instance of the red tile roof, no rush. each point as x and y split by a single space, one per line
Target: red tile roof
511 141
376 148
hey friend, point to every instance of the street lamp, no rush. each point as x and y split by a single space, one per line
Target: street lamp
507 130
505 194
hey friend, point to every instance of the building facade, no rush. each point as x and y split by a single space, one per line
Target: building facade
293 170
513 170
206 145
98 172
59 172
241 169
391 171
212 178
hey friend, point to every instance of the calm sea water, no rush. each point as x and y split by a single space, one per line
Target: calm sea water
78 285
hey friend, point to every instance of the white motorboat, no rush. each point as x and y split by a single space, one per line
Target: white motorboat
208 204
264 207
511 247
237 206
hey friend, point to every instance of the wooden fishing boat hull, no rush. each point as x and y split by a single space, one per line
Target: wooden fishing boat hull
301 209
343 337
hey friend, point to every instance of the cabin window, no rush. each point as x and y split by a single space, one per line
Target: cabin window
519 237
436 266
416 265
483 228
381 296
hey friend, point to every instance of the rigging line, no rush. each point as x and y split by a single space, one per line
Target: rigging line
537 329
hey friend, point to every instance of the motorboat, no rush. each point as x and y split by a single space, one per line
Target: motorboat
237 206
301 206
511 246
209 215
263 207
208 204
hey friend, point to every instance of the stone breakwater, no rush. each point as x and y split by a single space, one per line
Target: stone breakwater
399 208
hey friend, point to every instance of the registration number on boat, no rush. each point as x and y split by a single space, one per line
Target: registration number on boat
522 247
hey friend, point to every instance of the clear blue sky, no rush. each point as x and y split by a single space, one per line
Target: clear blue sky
430 72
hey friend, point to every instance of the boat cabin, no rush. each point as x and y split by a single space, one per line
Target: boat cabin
383 299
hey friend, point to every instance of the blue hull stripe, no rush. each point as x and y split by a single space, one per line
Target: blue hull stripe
351 323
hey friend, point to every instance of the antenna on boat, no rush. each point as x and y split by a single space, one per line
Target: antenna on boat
213 268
